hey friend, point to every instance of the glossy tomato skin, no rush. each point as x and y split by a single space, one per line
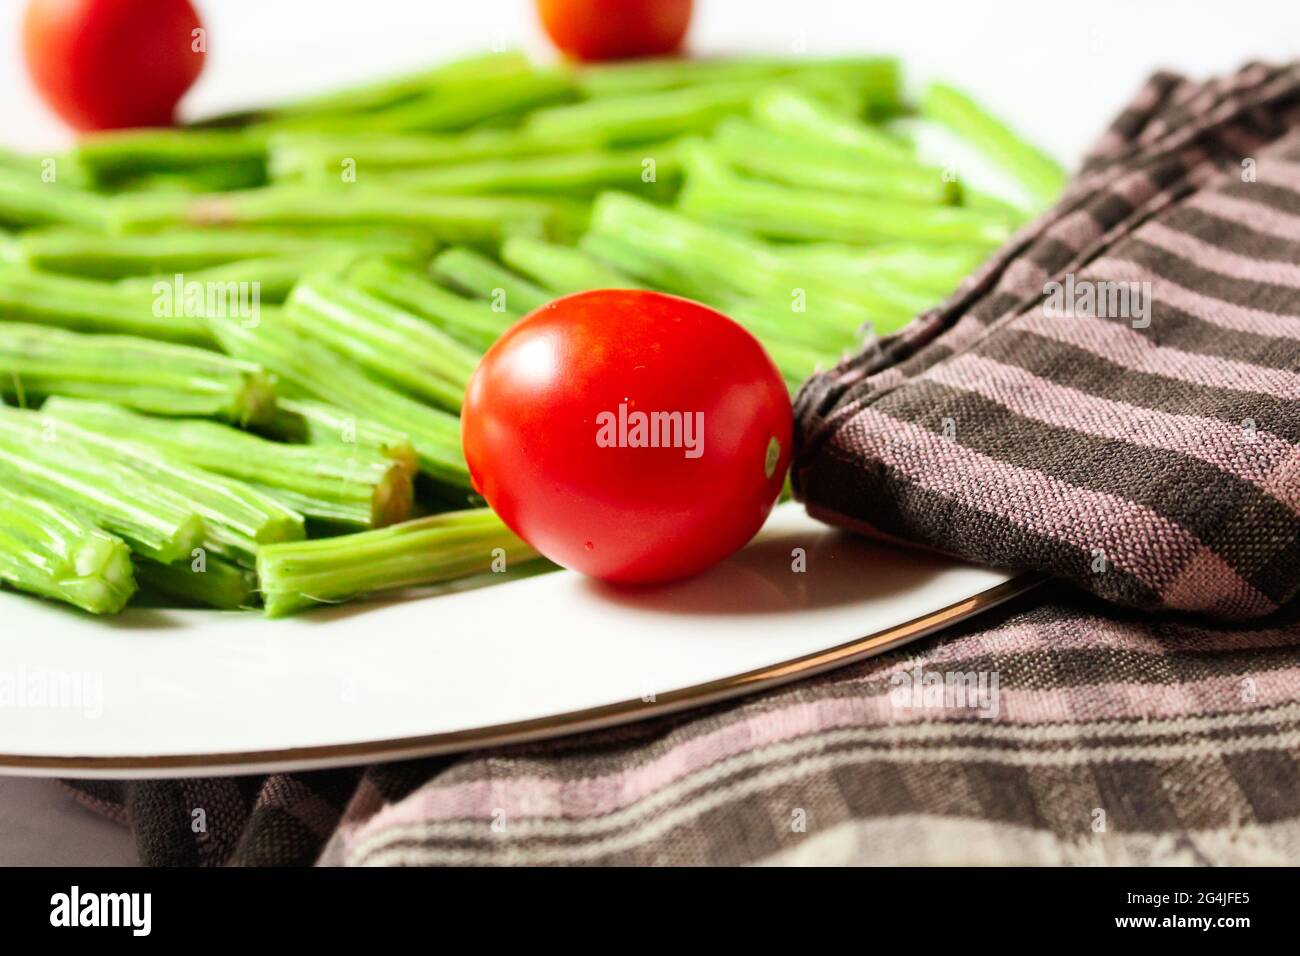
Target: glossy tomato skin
615 29
532 432
107 64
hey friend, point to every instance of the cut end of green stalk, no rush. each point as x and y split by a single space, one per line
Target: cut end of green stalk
255 402
59 554
394 497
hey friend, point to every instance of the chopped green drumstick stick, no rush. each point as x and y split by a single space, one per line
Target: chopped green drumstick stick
803 338
476 324
236 516
201 179
932 268
323 374
402 349
878 77
210 582
507 95
735 265
667 114
976 199
150 376
429 550
319 423
56 553
562 269
818 166
783 212
320 157
652 168
354 486
806 119
634 77
653 271
42 168
477 275
275 276
84 305
111 157
26 199
446 218
1040 175
773 323
382 94
179 251
153 520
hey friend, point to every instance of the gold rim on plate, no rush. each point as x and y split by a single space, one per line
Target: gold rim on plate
538 728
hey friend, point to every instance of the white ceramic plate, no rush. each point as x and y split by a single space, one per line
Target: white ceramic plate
168 693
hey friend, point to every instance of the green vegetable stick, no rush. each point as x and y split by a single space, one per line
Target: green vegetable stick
215 178
184 250
353 486
58 554
782 212
635 77
1040 175
932 268
664 115
320 423
26 199
236 517
83 305
322 374
275 276
112 156
398 347
805 119
370 97
447 218
562 269
425 551
636 262
213 582
577 173
476 324
772 324
976 199
117 498
500 96
327 157
878 76
149 376
736 265
476 274
798 163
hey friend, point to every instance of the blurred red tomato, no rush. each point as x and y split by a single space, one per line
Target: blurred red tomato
615 29
104 64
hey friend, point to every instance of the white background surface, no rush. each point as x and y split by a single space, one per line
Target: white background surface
1060 70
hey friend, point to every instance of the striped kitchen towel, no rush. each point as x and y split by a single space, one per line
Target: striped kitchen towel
1086 735
1114 398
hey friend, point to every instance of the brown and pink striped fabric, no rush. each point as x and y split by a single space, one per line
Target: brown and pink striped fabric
1144 447
1084 732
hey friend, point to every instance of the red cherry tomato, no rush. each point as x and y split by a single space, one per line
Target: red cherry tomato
632 436
615 29
105 64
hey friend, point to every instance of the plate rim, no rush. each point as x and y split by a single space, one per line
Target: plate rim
323 756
